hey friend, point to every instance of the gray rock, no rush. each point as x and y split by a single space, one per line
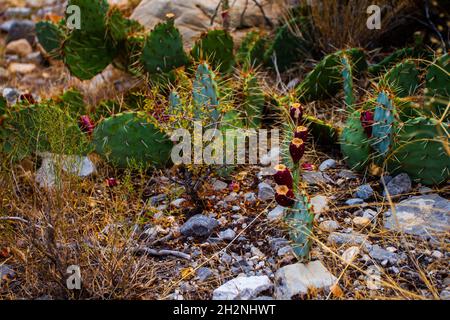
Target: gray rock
155 200
354 202
317 178
319 204
329 226
178 202
17 12
364 192
11 95
351 239
231 197
420 215
250 197
227 235
445 294
6 26
243 288
265 192
400 184
284 251
296 279
327 164
347 174
204 273
6 272
199 226
380 254
21 29
369 214
277 243
276 213
226 258
219 185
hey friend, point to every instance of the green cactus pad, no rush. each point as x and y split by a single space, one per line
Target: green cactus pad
300 219
72 101
403 78
253 101
120 27
163 50
354 142
86 55
383 127
251 50
394 58
50 36
131 139
216 47
93 15
437 94
422 151
347 76
205 97
321 131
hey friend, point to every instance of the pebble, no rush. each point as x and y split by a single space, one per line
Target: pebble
204 273
219 185
21 29
250 197
400 184
350 254
380 254
17 12
21 68
284 251
178 202
226 258
265 192
20 47
437 254
317 178
352 239
354 202
6 272
361 221
11 95
319 204
364 192
199 226
227 235
277 213
369 214
328 164
277 243
329 226
243 288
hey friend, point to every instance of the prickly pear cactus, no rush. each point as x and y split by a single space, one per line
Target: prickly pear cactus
394 58
93 15
437 93
403 78
347 76
422 151
163 50
251 51
354 142
50 36
132 140
323 132
300 221
383 127
72 101
253 100
216 47
204 94
119 27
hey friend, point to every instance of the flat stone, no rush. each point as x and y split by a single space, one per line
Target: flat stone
250 197
265 192
20 47
354 202
319 204
361 221
380 254
350 254
400 184
227 235
21 68
347 174
327 164
219 185
204 274
329 225
352 239
199 226
317 178
422 215
243 288
278 243
226 258
295 279
369 214
277 213
364 192
178 202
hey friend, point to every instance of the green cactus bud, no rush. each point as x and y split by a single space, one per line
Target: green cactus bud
131 139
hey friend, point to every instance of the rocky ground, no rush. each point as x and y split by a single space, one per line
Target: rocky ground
373 238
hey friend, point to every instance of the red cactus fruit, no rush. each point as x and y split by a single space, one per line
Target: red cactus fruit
283 176
297 149
111 182
234 187
284 196
301 132
296 112
367 121
86 124
27 98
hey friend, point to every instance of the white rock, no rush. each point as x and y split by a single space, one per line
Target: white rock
243 288
265 192
276 213
295 279
350 254
329 226
320 204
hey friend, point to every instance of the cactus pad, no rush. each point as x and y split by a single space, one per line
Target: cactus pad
403 78
50 36
437 95
383 127
216 47
205 100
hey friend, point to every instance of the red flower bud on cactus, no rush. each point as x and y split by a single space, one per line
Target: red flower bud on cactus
297 149
367 121
284 196
234 187
86 124
283 176
301 132
111 182
296 112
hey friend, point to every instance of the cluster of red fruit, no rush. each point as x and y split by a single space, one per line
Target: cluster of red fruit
284 191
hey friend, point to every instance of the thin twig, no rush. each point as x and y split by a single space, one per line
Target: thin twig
158 253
